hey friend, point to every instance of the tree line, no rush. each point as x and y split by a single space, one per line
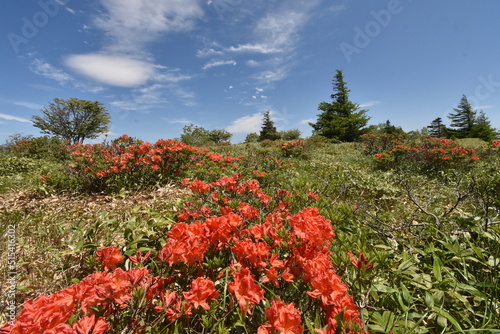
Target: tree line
465 123
341 120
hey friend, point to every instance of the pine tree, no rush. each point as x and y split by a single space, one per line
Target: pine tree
463 119
340 119
437 128
268 130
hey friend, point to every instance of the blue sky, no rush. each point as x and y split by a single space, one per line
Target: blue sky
158 65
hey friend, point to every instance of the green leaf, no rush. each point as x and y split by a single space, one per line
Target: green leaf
442 321
383 288
449 317
437 267
429 300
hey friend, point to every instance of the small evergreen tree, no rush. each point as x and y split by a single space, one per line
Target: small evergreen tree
437 128
390 129
341 120
463 119
482 128
268 130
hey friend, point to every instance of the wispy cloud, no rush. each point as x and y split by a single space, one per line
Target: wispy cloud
14 118
216 63
27 105
307 121
246 124
40 67
253 123
177 121
271 44
130 24
157 95
43 68
369 104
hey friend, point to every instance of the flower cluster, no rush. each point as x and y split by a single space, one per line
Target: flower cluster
293 148
134 164
428 154
234 245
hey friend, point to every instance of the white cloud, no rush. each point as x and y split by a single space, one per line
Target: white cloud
216 63
40 67
143 99
307 121
27 105
483 107
209 52
369 104
253 63
177 121
132 23
113 70
262 48
14 118
246 124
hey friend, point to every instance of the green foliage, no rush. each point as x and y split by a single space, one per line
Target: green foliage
424 246
293 134
482 128
426 155
73 120
463 119
219 136
437 128
49 148
252 138
268 130
199 136
11 165
340 119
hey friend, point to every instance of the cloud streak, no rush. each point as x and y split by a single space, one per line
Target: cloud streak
217 63
14 118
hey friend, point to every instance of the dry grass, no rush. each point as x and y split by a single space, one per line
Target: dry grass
57 234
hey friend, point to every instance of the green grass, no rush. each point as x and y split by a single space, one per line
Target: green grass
434 240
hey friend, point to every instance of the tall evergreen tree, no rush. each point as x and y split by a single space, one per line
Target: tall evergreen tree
268 130
341 120
463 119
437 128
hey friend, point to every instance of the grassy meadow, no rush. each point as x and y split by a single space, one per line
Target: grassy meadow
406 237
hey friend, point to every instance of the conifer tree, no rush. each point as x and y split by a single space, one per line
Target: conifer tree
482 128
437 128
463 119
341 120
268 130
